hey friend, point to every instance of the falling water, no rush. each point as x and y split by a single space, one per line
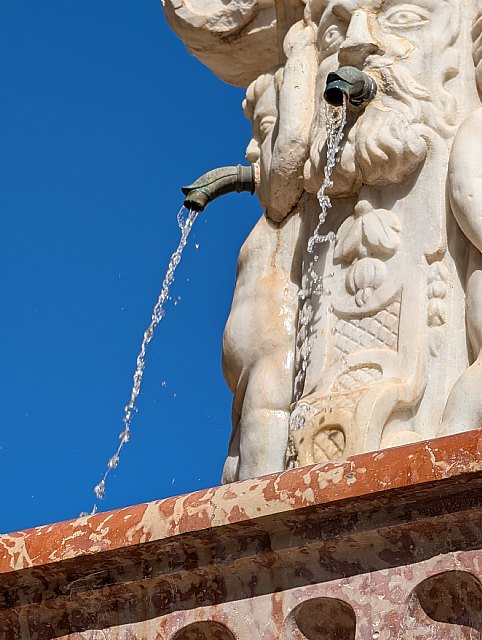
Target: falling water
185 219
313 284
335 126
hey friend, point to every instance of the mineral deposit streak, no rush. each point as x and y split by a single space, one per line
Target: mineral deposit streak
185 219
312 283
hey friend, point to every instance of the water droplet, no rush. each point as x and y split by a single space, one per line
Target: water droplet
125 436
100 490
331 236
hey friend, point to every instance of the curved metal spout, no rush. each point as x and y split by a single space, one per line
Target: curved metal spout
216 183
358 88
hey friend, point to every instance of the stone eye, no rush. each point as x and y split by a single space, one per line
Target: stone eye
406 17
331 37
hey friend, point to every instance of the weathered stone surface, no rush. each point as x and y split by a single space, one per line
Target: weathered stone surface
237 39
385 543
385 350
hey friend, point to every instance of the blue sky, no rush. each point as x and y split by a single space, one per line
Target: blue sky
104 116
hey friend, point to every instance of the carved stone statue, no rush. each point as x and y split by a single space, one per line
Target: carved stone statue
387 349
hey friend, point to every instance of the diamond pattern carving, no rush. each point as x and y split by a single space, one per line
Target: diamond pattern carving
371 332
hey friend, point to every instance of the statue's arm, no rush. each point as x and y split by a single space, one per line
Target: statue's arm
465 178
463 409
237 40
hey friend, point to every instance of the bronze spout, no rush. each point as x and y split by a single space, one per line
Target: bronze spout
216 183
349 82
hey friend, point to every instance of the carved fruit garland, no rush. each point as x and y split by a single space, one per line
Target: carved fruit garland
437 287
365 239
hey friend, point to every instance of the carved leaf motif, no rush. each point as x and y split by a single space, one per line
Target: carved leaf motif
380 230
349 244
437 289
436 313
438 279
368 231
438 273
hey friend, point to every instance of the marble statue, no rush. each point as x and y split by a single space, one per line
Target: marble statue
392 352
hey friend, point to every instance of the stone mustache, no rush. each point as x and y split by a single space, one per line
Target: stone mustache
393 353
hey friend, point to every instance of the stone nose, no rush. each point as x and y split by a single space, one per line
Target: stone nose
252 151
359 42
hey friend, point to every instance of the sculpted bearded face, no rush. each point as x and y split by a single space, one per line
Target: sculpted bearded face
261 107
281 106
406 47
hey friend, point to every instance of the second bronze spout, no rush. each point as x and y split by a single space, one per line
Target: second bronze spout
349 82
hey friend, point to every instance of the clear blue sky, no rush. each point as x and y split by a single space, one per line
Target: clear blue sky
104 116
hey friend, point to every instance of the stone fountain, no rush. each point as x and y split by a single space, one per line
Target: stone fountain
352 500
393 349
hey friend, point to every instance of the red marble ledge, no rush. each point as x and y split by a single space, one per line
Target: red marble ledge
382 545
402 473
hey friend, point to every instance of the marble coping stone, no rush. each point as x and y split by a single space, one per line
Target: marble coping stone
403 507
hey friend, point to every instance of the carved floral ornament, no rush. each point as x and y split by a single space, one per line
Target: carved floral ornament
366 239
415 146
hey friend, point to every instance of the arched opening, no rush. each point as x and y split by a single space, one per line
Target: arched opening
205 630
448 603
321 619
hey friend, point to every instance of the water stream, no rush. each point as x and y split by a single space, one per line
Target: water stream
335 128
186 219
312 283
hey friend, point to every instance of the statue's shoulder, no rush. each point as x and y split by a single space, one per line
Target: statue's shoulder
467 147
465 177
470 130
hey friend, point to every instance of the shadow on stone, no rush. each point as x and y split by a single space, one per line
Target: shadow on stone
205 630
448 603
321 619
